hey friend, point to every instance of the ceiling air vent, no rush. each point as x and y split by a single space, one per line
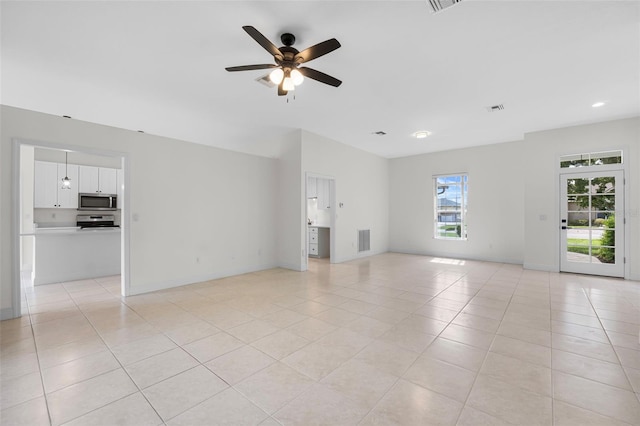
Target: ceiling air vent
438 5
495 108
379 133
266 81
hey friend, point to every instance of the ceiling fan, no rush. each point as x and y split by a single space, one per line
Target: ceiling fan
287 72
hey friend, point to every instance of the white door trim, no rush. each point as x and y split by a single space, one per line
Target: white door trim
16 289
332 218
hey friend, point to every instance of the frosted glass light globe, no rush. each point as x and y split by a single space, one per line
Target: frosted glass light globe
276 76
297 77
288 85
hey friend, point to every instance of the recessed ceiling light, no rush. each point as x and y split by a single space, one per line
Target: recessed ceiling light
421 134
598 104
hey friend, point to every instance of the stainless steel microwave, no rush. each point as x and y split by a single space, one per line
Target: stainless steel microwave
93 201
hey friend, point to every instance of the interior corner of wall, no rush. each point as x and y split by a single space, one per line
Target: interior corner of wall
7 313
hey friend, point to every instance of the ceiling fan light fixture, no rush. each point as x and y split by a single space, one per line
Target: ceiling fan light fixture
288 84
276 76
297 77
284 72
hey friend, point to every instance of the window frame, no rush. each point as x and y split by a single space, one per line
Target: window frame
463 184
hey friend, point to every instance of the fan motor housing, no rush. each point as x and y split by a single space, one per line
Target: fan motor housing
288 39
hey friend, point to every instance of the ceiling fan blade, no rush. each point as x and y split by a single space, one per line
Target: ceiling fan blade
281 91
320 76
251 67
317 50
263 41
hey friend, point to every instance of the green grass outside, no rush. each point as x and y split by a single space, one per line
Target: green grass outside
579 245
449 231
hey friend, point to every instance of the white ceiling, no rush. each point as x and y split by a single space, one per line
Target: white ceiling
158 66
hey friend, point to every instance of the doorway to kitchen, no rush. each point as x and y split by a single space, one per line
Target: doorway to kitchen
46 187
320 218
592 222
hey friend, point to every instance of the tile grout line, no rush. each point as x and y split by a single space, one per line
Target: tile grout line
484 360
117 360
436 337
553 390
374 339
610 342
229 386
35 344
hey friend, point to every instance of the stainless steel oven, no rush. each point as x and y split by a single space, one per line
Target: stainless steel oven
93 221
89 201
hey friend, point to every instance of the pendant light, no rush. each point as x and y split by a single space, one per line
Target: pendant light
66 182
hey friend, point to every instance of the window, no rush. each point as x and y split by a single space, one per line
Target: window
591 159
450 201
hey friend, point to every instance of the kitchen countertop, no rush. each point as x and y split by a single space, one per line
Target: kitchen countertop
66 230
318 226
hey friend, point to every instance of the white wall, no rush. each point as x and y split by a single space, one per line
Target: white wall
513 195
495 209
82 158
540 168
26 207
202 212
361 184
290 207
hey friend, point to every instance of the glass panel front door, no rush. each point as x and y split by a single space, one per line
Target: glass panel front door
592 223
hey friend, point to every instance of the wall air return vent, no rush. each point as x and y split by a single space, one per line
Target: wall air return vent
495 108
438 5
364 240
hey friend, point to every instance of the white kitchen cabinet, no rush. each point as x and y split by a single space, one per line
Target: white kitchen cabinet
320 189
312 188
48 192
107 180
88 179
98 179
319 242
45 192
324 193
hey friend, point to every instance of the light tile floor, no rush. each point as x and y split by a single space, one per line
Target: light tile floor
390 339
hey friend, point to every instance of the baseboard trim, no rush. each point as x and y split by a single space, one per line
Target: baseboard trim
290 266
457 256
358 256
164 285
6 313
536 267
